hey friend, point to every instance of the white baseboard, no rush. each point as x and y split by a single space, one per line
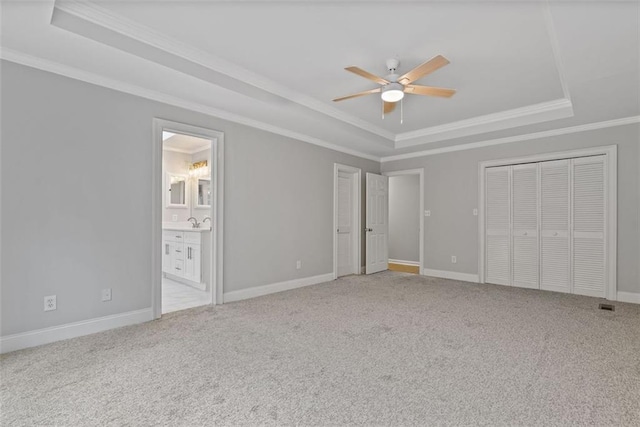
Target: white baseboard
71 330
631 297
464 277
403 262
273 288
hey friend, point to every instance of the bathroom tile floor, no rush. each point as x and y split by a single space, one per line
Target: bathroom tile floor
178 296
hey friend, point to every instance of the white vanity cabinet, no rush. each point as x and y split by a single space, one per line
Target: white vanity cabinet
182 253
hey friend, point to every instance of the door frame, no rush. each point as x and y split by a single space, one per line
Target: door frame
420 173
216 284
611 212
356 212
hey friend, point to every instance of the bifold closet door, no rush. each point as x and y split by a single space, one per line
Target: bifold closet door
497 217
554 224
589 255
524 194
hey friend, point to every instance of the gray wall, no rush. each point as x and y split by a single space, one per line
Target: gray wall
58 133
404 217
451 193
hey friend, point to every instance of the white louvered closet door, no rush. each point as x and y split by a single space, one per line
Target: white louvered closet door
525 265
589 276
497 216
554 226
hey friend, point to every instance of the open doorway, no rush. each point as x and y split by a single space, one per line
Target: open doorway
406 237
187 217
186 221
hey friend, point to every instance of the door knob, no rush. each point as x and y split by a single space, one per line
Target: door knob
368 229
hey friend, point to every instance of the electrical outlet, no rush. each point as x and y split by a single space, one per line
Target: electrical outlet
106 294
427 213
174 218
50 303
475 212
454 259
298 265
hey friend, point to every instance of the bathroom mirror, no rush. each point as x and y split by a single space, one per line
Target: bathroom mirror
204 193
176 191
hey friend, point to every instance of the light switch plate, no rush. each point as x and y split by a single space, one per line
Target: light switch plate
475 212
427 213
454 259
174 218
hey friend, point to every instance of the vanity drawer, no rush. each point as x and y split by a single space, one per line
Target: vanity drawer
178 252
192 237
178 266
173 236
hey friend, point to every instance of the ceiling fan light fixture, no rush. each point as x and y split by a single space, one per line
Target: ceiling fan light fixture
393 92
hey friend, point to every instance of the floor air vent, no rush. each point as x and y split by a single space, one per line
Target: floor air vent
608 307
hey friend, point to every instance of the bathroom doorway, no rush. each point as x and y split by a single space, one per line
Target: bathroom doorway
187 217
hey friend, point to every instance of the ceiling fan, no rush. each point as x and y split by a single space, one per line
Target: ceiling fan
395 86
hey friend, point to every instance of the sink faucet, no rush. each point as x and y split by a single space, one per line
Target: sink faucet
206 218
195 222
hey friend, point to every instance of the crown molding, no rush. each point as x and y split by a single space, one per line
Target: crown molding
88 77
531 114
516 138
104 18
181 151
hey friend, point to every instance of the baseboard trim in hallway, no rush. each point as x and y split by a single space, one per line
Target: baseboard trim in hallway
72 330
258 291
404 266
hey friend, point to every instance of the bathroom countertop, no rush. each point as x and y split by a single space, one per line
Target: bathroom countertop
185 228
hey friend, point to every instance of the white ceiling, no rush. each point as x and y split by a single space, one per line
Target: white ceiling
184 143
518 67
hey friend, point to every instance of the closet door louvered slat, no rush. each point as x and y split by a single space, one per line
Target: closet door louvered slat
554 223
589 273
525 263
497 214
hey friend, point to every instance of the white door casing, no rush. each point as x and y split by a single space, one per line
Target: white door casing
216 260
377 225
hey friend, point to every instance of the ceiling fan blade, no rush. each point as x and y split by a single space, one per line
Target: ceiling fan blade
355 95
422 70
429 91
367 75
389 107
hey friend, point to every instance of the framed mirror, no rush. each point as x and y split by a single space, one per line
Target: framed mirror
176 191
203 193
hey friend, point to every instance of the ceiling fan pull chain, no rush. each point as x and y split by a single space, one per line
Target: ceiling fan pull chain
401 111
382 110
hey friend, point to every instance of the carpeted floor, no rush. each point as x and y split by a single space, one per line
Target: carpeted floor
390 349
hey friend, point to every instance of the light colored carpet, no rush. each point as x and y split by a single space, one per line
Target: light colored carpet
389 349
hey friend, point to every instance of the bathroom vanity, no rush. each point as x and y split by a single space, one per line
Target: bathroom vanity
185 255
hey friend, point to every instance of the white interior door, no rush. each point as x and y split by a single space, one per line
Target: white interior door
554 224
377 227
589 257
345 226
498 224
525 225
